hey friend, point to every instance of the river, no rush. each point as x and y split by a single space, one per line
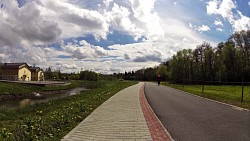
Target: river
38 99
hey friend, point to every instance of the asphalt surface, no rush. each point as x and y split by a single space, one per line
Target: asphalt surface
190 118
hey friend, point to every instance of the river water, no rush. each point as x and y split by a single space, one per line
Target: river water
38 99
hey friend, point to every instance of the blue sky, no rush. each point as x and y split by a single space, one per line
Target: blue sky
110 36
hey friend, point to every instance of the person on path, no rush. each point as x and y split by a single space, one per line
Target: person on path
159 79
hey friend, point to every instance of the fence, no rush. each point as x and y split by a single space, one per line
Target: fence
216 83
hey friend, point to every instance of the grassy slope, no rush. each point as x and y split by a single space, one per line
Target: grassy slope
16 88
52 120
227 94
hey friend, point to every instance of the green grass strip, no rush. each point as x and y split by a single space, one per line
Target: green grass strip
223 93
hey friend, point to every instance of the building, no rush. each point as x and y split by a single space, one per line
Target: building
19 72
37 74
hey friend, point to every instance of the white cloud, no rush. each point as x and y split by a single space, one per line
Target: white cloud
185 39
119 18
203 28
24 25
81 21
224 8
42 22
249 3
84 51
190 25
243 23
146 19
136 17
218 22
219 29
107 2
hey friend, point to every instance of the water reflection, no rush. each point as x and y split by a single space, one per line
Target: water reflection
37 99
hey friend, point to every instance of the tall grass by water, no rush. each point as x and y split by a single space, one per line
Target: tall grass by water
19 88
53 120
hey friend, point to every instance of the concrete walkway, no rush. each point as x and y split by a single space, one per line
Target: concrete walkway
120 118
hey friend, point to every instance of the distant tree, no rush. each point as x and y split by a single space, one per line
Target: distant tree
48 73
162 71
88 75
150 74
74 76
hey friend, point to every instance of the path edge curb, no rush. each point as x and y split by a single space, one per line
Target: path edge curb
144 100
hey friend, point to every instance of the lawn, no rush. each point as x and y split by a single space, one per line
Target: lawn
53 120
225 93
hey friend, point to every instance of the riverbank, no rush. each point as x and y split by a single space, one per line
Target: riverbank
13 91
54 119
33 95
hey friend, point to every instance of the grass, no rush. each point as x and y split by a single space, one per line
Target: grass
17 88
53 120
223 93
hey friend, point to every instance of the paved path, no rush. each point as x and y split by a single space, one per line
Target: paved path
191 118
119 118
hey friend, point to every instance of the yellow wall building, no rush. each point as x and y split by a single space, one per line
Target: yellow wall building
19 72
37 74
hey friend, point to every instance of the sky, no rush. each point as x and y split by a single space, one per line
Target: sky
113 36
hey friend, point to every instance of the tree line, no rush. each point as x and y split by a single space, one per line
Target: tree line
82 75
227 62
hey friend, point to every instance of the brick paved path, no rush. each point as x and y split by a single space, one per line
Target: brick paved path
157 130
119 118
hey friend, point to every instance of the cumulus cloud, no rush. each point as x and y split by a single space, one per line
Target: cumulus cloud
219 29
39 22
143 52
81 21
148 57
243 23
137 17
25 25
185 39
201 28
224 8
119 17
218 22
85 50
26 34
126 57
144 14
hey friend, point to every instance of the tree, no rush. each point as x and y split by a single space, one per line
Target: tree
48 73
242 41
88 75
162 71
219 66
